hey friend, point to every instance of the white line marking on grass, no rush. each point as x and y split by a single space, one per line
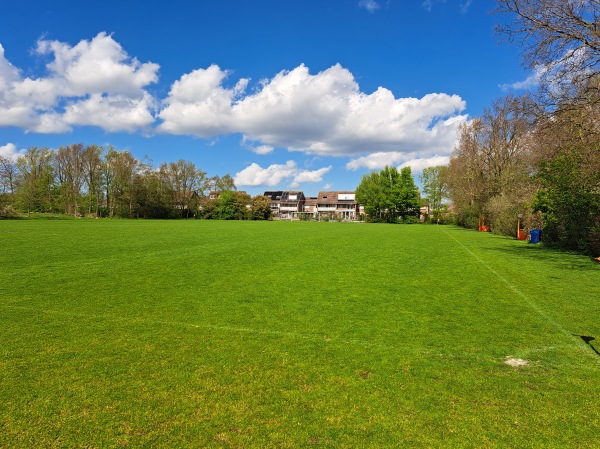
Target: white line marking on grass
418 352
577 342
309 337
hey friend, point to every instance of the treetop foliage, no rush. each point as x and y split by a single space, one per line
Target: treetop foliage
389 195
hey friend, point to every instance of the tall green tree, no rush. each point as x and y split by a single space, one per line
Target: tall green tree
388 195
225 206
370 194
36 180
433 183
407 200
261 208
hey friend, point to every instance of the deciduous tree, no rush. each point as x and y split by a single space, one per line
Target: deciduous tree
560 41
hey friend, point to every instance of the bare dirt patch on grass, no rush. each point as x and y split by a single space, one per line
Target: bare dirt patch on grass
516 362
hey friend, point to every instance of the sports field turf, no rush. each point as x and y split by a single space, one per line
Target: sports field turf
275 334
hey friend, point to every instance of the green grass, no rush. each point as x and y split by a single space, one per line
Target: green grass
270 334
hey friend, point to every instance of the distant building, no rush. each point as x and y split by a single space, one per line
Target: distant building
334 204
286 204
310 206
338 204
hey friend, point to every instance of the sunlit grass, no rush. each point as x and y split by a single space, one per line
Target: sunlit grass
266 334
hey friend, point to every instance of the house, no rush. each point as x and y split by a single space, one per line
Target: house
286 204
338 204
310 206
335 205
183 199
275 197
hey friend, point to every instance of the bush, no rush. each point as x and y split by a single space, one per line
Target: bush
411 219
9 211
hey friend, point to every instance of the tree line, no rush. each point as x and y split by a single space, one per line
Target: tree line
538 155
92 181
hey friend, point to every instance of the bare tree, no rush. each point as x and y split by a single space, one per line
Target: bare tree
92 169
119 170
185 180
70 174
8 170
490 160
36 179
561 42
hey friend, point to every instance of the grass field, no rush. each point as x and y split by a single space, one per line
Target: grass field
276 334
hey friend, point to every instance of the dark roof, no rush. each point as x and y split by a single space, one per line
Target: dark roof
284 195
274 194
299 195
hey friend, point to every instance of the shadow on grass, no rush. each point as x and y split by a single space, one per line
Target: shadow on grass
561 259
587 340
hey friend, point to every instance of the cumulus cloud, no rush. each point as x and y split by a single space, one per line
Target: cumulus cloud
96 83
92 83
256 148
97 66
198 104
10 151
111 113
376 160
310 176
323 114
254 175
263 149
369 5
417 165
413 160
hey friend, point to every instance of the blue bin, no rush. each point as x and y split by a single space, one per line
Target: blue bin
536 235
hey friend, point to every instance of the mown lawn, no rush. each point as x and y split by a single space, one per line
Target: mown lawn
276 334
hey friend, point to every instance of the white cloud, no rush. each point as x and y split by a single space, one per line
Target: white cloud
92 83
376 160
417 165
97 66
96 83
10 151
324 114
310 176
254 175
369 5
263 149
531 82
256 148
111 113
198 104
413 160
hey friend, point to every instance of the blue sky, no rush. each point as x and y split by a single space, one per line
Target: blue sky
305 94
